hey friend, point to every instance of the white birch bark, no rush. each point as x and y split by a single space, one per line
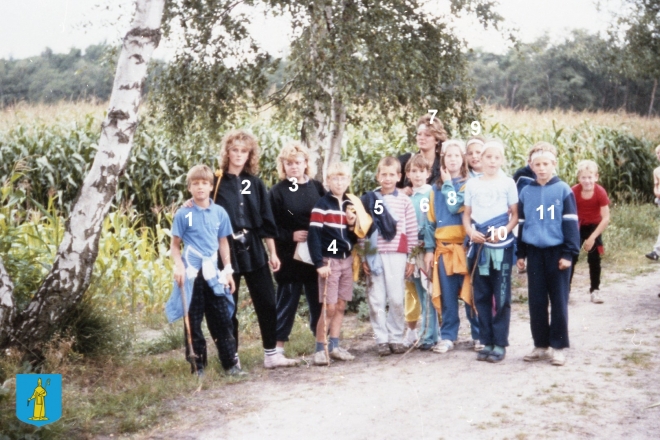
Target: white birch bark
71 272
7 309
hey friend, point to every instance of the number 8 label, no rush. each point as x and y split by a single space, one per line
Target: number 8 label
452 198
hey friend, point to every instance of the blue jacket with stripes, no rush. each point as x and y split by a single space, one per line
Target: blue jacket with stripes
547 215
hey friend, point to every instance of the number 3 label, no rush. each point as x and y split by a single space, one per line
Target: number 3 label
293 180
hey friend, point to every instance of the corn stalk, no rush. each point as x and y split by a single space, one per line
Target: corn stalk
71 272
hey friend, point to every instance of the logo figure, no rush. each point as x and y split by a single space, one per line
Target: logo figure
43 394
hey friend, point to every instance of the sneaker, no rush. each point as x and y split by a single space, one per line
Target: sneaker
398 348
411 337
652 256
595 297
199 373
384 350
320 358
279 360
495 356
443 346
426 346
235 371
558 357
477 345
340 354
483 354
538 354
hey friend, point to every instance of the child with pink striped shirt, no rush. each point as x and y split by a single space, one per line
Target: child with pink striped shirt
394 234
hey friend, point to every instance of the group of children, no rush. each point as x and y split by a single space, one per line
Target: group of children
453 237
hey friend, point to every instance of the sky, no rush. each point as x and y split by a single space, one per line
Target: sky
27 27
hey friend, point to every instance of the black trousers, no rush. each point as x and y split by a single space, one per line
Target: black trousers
262 291
205 302
593 256
288 297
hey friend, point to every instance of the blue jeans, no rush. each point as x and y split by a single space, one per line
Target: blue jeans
450 287
429 328
288 297
494 327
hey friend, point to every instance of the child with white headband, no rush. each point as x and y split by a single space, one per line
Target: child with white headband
474 147
549 238
488 200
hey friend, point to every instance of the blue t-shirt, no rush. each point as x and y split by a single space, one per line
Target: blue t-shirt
201 227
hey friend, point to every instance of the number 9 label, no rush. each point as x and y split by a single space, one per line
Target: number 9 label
476 128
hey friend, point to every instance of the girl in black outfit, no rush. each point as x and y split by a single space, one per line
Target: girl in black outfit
244 197
292 201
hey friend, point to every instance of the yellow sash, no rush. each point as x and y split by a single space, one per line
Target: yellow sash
455 262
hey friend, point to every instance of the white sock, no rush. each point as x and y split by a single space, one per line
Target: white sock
279 350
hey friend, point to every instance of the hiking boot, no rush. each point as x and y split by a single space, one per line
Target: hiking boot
652 256
443 346
595 297
235 371
279 360
384 349
340 354
477 345
398 348
538 354
426 346
320 358
558 357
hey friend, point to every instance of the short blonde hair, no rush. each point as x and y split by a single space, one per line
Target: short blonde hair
453 143
199 172
587 165
389 161
290 152
338 169
235 138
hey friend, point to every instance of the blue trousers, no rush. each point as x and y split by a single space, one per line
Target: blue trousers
450 287
546 283
429 315
493 327
288 297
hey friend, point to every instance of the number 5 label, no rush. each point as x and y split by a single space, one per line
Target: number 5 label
378 205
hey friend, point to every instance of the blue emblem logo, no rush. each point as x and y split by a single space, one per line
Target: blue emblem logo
38 398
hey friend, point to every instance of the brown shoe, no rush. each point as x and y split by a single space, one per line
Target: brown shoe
398 348
384 350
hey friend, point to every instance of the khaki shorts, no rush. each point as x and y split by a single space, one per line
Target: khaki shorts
340 280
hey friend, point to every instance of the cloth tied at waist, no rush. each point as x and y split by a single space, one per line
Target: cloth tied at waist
455 262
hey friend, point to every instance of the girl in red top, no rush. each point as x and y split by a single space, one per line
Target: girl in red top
593 217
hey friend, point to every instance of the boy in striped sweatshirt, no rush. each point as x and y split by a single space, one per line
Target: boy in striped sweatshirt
391 265
549 238
330 240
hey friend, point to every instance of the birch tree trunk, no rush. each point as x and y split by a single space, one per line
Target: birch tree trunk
655 87
70 275
338 118
7 307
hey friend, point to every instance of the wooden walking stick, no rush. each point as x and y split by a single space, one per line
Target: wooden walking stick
186 323
325 317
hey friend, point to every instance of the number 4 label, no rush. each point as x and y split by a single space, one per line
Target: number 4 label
333 247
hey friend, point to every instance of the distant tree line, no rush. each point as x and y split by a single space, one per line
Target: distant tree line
584 72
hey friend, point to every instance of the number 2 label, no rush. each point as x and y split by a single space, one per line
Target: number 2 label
247 185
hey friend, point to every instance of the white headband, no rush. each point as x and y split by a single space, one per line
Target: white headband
453 143
475 141
493 144
543 153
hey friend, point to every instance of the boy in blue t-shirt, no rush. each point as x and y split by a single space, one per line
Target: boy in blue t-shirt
203 228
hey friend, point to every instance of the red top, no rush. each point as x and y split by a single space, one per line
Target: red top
589 209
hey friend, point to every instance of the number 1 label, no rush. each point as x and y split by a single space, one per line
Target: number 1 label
189 217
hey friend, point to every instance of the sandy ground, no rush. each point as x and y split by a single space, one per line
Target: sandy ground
611 377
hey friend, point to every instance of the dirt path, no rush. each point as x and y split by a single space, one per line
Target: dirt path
612 375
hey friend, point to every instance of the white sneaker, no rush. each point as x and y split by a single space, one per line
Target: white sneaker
477 345
320 359
340 354
595 297
443 346
279 360
558 357
538 354
411 337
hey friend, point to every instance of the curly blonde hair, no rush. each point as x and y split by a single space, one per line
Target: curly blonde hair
240 138
290 152
437 129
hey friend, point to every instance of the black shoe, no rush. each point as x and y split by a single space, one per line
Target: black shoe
426 346
494 357
199 373
652 256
